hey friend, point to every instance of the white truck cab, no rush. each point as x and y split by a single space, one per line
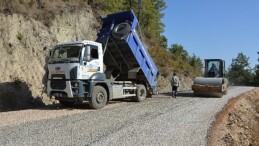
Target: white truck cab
70 63
85 56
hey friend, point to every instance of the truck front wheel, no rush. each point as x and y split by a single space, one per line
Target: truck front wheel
141 93
99 98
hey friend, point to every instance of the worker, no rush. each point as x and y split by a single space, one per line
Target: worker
213 72
175 85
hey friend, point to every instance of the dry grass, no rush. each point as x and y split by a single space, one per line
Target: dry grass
167 64
42 10
257 106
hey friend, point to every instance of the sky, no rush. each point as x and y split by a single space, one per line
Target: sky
214 28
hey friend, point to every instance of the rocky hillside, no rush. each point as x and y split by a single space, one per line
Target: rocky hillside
24 35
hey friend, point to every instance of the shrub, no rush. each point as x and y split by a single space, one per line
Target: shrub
20 36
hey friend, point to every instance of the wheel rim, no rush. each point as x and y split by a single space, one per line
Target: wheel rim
122 27
100 97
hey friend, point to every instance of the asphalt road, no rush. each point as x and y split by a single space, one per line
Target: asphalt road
160 120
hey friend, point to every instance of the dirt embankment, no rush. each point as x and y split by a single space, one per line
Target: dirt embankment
238 123
23 35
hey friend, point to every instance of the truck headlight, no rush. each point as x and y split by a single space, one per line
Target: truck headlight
76 84
76 91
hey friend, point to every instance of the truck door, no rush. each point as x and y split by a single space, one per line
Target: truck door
91 61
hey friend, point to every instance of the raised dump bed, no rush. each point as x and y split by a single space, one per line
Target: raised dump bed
125 56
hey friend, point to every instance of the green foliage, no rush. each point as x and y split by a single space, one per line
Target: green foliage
179 52
191 63
176 59
150 23
20 36
150 15
196 63
256 76
163 41
111 6
241 61
168 62
239 72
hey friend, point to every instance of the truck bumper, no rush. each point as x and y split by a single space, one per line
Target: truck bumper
66 89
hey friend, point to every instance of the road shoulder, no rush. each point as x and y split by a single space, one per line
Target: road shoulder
238 123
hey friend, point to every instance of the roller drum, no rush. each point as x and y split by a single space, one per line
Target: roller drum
209 81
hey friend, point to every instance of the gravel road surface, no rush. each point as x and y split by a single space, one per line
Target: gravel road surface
160 120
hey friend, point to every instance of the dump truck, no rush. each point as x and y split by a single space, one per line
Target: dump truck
214 83
116 65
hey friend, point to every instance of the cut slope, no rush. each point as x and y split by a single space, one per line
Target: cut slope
22 40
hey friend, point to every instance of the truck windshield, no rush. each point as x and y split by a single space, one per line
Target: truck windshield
67 53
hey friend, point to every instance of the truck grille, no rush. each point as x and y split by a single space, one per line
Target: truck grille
58 84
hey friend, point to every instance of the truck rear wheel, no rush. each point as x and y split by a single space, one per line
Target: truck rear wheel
121 30
141 93
99 98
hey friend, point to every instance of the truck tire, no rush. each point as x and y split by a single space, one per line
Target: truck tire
66 103
141 93
99 98
121 30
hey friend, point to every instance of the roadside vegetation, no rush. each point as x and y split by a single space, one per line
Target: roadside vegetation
240 72
168 59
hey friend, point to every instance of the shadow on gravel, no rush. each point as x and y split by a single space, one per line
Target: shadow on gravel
61 107
191 95
180 94
81 106
187 94
17 95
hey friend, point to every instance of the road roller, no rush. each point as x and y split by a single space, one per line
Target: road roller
213 83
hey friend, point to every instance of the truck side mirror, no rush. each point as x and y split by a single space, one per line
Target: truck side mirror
50 53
